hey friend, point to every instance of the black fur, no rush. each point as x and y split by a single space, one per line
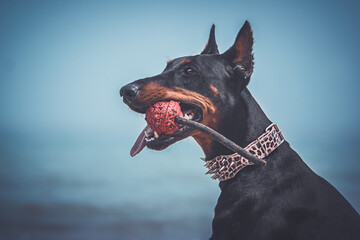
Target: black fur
285 199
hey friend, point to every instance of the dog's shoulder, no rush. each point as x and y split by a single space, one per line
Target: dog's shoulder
286 197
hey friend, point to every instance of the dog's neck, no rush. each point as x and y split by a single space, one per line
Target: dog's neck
245 124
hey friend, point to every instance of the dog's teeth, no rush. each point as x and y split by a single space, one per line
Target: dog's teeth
156 135
149 139
188 115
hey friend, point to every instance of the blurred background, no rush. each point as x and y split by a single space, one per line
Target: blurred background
65 135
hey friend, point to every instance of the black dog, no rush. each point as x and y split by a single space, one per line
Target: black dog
285 199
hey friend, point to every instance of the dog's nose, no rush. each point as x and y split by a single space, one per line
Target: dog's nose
130 91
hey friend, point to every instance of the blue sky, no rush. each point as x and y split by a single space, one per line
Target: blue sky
63 62
63 123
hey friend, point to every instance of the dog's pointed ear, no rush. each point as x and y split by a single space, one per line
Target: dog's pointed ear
211 46
240 54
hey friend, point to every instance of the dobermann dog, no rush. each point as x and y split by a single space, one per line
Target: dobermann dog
283 200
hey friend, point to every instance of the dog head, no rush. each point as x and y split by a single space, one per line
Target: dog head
205 85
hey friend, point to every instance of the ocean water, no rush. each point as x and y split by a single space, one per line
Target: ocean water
68 186
85 187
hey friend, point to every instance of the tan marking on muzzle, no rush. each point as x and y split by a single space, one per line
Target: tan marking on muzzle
153 92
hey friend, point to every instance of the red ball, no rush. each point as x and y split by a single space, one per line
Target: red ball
161 117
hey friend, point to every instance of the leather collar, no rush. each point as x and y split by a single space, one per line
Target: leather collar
225 167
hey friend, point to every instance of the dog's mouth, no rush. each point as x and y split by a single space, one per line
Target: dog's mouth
156 141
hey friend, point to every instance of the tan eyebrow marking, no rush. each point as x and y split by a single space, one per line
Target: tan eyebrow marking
214 90
186 60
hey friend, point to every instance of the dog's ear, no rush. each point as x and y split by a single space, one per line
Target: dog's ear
211 46
240 54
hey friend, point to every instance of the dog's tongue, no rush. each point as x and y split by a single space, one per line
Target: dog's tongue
140 142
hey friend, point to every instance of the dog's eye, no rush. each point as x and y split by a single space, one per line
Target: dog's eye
189 70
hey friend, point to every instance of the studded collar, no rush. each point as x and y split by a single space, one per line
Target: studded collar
225 167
